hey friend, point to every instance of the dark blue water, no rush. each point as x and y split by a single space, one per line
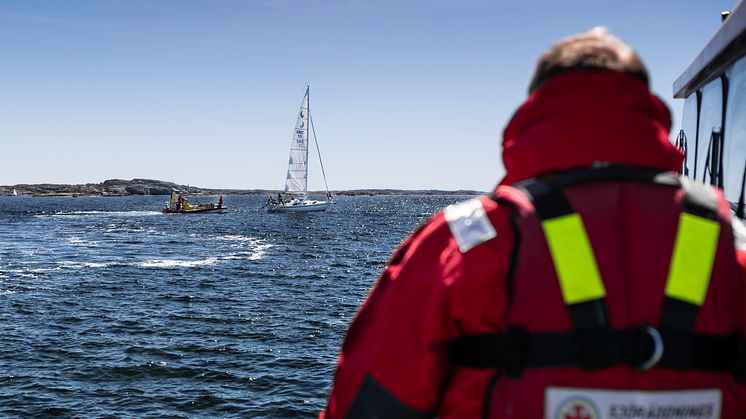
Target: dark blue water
110 309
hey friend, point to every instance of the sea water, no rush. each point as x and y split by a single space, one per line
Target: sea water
109 308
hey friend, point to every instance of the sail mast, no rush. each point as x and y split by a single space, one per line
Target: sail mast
308 111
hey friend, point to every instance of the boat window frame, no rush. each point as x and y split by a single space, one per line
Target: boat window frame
704 146
736 76
690 114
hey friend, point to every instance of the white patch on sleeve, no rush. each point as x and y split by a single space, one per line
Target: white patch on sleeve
739 232
469 224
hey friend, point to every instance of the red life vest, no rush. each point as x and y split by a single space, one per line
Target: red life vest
626 301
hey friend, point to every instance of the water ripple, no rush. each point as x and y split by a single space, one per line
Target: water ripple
109 309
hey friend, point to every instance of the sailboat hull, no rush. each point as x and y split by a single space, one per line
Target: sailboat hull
300 206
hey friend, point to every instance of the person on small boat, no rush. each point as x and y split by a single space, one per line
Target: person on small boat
576 288
279 198
179 203
220 201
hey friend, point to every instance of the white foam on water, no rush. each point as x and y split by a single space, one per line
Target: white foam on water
80 265
235 237
249 248
78 241
96 264
257 247
259 251
42 270
102 214
17 273
175 263
256 253
242 255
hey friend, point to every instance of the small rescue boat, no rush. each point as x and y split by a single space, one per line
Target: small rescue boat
181 205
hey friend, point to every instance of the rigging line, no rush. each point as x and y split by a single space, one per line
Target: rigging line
740 207
720 159
315 140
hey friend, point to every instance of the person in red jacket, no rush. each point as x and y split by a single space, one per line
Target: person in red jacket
591 283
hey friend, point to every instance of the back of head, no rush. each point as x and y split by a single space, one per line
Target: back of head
589 102
596 49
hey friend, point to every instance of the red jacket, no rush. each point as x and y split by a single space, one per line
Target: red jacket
434 291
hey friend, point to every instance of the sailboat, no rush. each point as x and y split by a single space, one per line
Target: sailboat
296 183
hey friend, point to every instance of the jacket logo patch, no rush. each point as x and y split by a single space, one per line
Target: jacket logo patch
577 408
582 403
469 224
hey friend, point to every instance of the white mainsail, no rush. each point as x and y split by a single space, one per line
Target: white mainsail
297 178
296 181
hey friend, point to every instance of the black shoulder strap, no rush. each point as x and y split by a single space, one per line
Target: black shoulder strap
699 206
551 203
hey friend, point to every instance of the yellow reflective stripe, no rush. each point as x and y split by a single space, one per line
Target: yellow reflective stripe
573 259
693 256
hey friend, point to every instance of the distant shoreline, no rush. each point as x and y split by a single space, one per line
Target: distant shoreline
120 187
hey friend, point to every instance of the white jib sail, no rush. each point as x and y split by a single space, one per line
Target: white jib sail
297 179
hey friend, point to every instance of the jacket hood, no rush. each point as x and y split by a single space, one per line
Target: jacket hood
577 119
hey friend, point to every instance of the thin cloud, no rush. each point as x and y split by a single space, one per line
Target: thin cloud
45 19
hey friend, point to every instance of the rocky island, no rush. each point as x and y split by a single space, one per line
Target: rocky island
120 187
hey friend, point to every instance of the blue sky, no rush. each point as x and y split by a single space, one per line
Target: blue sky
408 94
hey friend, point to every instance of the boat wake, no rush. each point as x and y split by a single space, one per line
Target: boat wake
257 249
256 253
101 214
